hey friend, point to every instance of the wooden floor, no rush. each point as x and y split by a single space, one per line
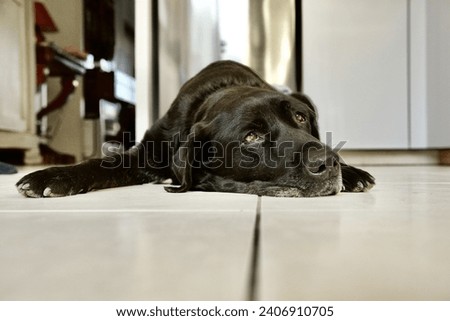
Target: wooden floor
142 243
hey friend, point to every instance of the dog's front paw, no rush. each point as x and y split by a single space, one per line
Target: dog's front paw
51 182
356 180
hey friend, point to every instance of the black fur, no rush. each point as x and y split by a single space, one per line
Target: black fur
227 130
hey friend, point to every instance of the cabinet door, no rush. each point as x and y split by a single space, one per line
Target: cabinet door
438 73
355 69
13 88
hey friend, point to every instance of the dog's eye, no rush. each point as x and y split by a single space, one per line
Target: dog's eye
301 118
251 137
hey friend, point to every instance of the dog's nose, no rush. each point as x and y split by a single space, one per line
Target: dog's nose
322 163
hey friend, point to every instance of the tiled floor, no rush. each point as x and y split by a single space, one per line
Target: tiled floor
141 243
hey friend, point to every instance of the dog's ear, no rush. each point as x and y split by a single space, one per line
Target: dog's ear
186 160
308 102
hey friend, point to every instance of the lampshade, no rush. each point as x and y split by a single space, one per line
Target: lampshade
43 19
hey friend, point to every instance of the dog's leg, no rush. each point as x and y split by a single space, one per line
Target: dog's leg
355 179
124 169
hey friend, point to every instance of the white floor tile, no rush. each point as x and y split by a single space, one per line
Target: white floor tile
125 256
142 243
389 244
148 197
132 243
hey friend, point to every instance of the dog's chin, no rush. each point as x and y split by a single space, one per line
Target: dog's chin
324 188
327 187
281 191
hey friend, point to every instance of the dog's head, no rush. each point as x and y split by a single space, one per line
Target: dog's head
252 140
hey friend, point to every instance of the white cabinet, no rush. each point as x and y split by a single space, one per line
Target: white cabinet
378 71
437 72
11 63
355 69
17 81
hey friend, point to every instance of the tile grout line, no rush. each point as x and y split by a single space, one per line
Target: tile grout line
125 210
254 254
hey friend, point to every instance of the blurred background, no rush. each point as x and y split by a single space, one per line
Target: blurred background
79 73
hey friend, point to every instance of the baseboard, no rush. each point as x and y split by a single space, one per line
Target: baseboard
391 157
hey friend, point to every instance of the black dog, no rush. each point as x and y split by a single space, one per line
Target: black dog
227 131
